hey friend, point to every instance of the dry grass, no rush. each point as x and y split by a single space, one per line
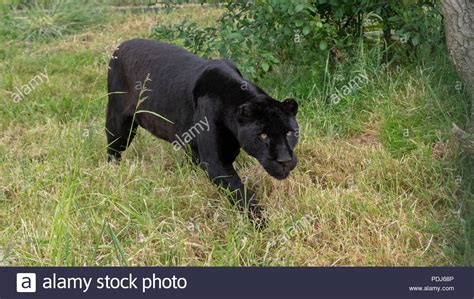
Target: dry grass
344 205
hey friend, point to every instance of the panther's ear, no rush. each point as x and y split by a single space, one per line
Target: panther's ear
290 106
215 79
246 112
207 82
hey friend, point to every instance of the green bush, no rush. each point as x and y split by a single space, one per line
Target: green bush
303 30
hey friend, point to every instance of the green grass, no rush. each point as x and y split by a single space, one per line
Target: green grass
363 193
48 19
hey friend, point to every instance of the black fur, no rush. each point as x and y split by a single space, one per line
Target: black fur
187 90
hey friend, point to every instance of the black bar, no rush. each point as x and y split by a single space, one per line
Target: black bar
229 282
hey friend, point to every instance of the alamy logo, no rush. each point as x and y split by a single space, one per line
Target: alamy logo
28 87
191 133
357 82
26 282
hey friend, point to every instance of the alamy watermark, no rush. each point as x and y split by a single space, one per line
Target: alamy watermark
191 133
26 88
353 85
299 226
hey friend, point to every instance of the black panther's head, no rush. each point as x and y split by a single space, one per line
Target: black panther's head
269 132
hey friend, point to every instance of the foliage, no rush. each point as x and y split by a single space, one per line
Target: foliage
302 30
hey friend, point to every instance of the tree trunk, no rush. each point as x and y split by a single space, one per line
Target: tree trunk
459 27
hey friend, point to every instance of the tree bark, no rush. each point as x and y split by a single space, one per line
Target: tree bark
459 27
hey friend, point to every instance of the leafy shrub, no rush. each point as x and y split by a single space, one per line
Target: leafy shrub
302 30
248 30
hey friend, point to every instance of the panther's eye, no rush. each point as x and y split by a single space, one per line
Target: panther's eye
289 133
264 136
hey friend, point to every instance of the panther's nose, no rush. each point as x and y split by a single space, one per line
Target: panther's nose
285 158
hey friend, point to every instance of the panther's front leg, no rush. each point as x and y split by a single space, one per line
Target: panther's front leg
217 152
244 198
217 149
